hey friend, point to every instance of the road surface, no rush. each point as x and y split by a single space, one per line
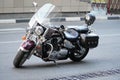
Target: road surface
102 63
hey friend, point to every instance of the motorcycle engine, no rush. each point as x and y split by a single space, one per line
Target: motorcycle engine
59 55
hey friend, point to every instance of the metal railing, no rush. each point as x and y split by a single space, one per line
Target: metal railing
113 6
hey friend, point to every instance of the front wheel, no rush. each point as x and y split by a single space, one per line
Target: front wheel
78 55
20 58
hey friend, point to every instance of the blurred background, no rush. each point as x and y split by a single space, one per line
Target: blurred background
25 9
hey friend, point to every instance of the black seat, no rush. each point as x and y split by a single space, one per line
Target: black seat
82 29
71 34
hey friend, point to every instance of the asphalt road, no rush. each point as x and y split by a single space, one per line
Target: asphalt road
102 63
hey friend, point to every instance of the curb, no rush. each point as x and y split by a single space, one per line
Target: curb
59 19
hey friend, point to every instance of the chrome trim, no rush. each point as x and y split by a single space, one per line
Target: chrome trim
21 48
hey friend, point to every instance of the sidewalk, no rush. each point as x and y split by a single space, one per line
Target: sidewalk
64 19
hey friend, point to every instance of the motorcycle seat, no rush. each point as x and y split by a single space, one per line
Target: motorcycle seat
80 29
71 34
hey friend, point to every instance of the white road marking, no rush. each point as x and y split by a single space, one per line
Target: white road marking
109 35
6 42
12 29
8 21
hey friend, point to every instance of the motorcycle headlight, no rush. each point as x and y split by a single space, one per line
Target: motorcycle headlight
39 30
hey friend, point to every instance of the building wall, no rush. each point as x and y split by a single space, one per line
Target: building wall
21 6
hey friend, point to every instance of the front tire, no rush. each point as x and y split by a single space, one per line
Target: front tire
78 55
20 58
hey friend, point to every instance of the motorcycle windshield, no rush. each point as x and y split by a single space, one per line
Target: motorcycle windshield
41 15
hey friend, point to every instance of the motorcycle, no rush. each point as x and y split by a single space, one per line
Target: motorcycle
51 43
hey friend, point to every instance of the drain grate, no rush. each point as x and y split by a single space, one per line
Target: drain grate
90 75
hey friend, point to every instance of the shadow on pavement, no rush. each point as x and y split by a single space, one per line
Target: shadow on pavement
53 65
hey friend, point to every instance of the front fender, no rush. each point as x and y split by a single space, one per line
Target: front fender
27 45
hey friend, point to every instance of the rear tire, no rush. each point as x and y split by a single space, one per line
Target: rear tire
19 59
76 55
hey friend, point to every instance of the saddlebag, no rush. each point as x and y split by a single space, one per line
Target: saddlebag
91 40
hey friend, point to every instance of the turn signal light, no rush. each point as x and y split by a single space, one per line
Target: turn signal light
23 37
38 47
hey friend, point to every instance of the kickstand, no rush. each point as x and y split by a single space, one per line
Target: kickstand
55 62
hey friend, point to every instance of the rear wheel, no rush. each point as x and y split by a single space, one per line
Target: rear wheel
78 55
20 58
